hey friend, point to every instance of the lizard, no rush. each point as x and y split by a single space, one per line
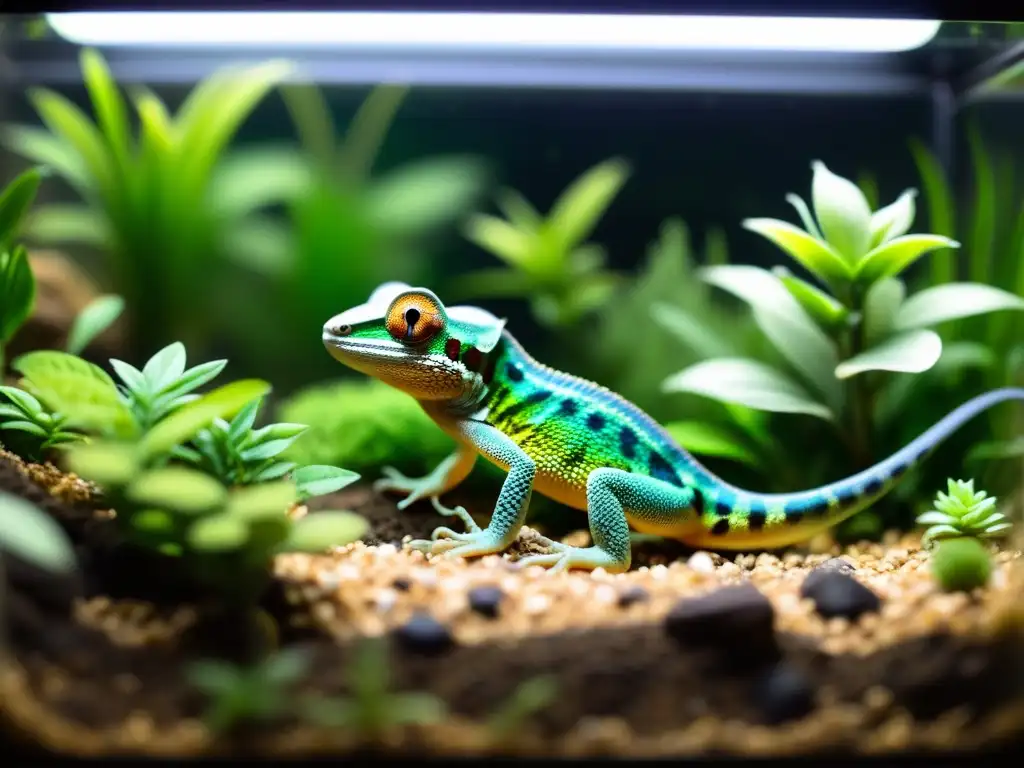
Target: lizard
577 443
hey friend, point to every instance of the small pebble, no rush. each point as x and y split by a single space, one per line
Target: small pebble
701 562
837 595
729 618
536 604
386 600
402 584
784 694
632 596
486 600
424 634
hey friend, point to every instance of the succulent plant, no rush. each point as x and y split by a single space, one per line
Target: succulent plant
963 512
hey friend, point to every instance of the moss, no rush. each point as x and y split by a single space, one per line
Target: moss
961 564
363 425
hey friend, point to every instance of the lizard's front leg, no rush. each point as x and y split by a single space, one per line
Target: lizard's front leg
449 473
510 510
610 493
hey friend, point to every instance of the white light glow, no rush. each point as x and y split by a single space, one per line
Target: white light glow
494 30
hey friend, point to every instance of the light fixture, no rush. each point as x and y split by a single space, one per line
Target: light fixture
506 31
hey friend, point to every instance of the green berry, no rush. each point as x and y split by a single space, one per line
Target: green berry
961 564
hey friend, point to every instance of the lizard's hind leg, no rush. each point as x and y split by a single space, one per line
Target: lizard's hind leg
610 494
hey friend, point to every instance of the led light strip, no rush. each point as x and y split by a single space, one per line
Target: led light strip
507 31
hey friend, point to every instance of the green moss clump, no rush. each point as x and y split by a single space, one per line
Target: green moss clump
363 425
961 564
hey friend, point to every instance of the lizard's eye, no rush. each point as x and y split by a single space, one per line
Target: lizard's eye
414 319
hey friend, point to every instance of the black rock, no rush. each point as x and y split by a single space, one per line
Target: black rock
736 618
832 565
402 584
784 694
486 600
838 594
424 634
632 596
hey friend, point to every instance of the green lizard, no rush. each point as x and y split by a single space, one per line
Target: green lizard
575 442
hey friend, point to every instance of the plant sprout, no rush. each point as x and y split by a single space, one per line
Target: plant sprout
23 413
17 284
962 511
548 259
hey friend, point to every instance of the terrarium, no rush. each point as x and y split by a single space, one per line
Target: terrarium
510 384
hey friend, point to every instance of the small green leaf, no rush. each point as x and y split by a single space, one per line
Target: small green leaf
266 499
821 306
130 375
952 301
319 531
843 212
781 318
710 440
275 432
22 399
266 450
501 239
746 382
319 480
165 367
894 219
32 535
909 352
815 255
805 215
894 256
183 490
153 521
108 464
518 210
579 208
694 334
274 471
222 402
244 420
24 426
77 388
15 201
218 533
193 378
882 302
97 316
17 292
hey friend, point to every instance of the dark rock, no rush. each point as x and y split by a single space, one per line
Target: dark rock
784 694
632 596
486 600
837 594
424 634
735 619
832 565
402 584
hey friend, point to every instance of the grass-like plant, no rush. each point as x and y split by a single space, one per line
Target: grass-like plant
845 330
17 284
547 258
157 202
372 708
962 511
40 429
348 228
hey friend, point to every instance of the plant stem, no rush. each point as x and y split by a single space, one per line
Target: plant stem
859 392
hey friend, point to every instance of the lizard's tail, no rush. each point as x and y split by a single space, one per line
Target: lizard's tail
790 517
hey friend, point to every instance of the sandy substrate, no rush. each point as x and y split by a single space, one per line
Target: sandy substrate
819 651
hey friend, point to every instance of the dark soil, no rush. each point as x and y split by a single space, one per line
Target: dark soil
638 673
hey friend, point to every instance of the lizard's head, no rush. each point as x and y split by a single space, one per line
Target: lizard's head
405 337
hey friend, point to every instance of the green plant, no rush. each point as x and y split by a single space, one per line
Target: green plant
961 564
962 511
840 339
43 429
32 535
989 218
363 425
347 230
17 284
247 695
237 454
530 697
160 206
94 319
548 259
371 708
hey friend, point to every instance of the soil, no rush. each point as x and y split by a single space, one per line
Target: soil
816 651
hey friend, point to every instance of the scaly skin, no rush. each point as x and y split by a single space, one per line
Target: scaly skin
576 442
